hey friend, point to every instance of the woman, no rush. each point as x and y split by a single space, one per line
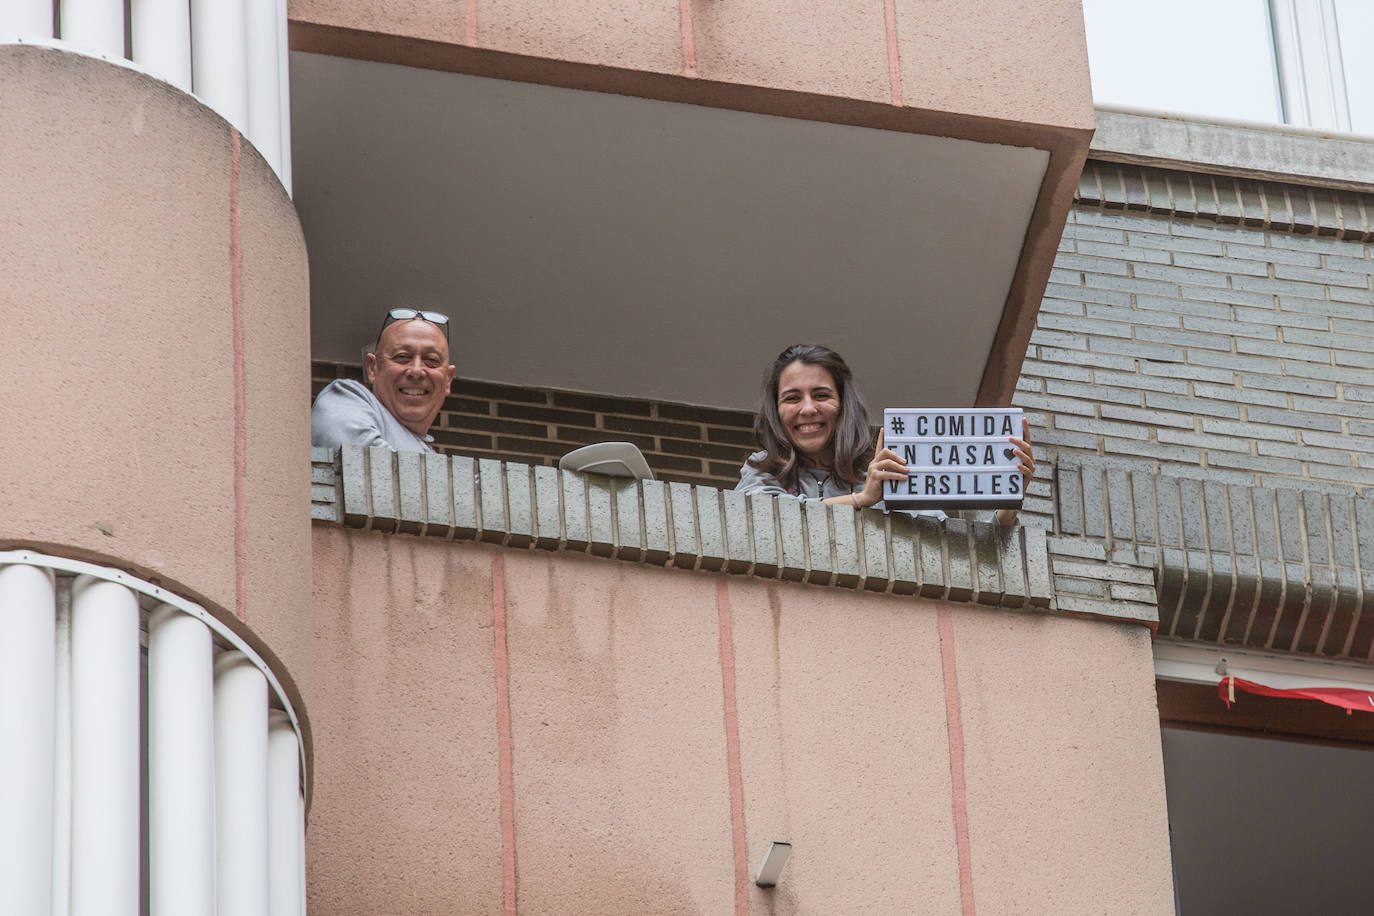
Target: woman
816 440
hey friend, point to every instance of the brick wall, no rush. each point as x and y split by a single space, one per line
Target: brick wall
1172 342
538 426
697 445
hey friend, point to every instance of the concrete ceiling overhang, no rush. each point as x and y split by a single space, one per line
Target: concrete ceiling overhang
623 245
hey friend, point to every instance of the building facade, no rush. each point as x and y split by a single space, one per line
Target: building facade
363 682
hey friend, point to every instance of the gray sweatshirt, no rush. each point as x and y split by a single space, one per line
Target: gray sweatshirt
348 413
812 483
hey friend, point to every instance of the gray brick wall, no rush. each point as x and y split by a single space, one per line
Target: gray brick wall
1177 344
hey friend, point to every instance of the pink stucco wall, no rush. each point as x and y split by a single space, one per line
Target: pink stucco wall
1002 59
571 734
146 427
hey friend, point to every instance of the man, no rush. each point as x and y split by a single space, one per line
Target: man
409 377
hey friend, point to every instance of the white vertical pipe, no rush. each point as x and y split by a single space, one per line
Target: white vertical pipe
240 787
28 614
264 99
105 749
181 764
284 87
301 883
1335 105
219 58
161 39
144 839
62 758
27 19
286 832
1307 50
97 25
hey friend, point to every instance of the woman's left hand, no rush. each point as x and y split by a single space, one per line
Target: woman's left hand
1025 458
886 465
1024 455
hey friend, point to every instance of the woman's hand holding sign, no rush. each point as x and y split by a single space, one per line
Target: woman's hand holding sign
1026 462
886 465
946 459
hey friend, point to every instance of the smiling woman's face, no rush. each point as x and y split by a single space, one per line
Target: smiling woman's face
809 406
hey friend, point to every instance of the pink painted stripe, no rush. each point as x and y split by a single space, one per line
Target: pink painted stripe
240 397
894 68
732 763
471 24
505 743
955 724
689 48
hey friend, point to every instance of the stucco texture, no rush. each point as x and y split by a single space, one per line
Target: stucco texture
435 20
835 48
405 816
621 743
1064 766
844 750
1018 60
1014 60
116 296
637 34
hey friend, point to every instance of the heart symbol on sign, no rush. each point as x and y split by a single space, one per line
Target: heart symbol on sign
1008 453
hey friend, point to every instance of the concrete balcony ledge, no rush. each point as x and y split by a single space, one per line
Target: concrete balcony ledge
1274 152
692 527
1267 567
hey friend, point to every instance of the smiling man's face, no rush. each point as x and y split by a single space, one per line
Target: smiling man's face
410 373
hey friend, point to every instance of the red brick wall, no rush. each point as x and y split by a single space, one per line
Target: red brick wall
697 445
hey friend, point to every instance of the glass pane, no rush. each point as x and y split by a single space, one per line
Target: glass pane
1355 22
1212 58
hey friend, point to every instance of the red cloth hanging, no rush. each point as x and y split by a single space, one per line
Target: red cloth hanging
1344 697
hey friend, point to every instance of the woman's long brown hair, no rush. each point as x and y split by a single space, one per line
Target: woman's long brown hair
853 440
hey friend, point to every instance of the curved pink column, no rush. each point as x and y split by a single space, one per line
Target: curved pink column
154 302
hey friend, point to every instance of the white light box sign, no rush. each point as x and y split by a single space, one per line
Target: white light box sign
956 458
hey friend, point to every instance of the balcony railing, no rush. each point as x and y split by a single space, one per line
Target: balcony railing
149 760
230 53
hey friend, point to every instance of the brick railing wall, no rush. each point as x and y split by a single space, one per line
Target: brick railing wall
703 528
1201 336
1301 209
537 426
1269 568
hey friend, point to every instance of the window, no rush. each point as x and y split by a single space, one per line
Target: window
1355 22
1272 61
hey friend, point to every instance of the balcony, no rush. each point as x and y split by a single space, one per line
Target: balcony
657 201
600 670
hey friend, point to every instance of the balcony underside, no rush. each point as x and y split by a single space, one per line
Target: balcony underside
665 238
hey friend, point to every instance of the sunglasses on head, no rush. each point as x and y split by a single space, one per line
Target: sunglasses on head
438 319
